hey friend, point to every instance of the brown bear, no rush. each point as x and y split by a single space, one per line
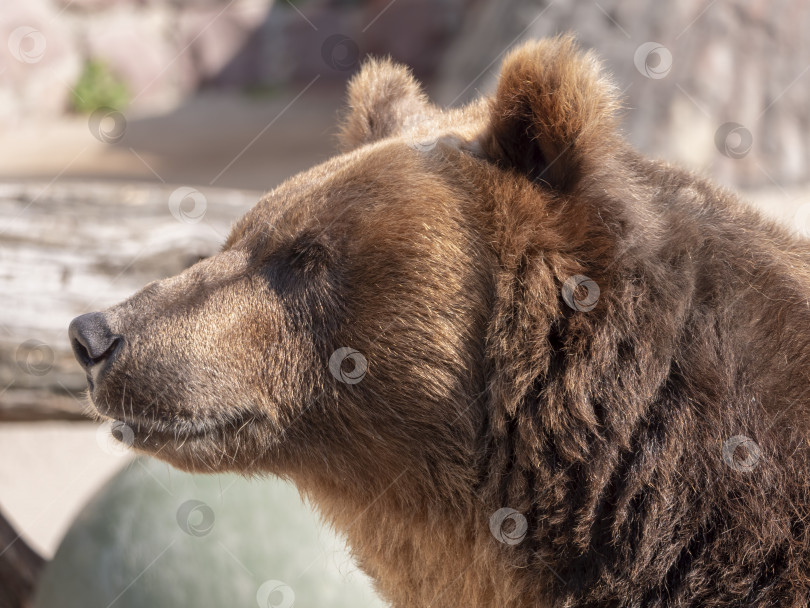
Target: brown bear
516 363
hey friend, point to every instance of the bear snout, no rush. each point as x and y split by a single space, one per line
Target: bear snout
94 344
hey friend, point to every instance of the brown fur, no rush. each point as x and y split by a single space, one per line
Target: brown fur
485 390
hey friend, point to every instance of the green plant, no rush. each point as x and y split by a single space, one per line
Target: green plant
262 91
98 87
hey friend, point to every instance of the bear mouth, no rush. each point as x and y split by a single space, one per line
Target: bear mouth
155 434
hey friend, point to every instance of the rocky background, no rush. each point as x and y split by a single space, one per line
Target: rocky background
720 86
162 51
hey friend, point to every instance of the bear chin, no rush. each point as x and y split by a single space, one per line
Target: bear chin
203 445
216 451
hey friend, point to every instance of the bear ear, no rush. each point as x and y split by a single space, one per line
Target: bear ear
553 113
384 99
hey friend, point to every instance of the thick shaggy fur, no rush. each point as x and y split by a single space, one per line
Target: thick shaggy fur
444 266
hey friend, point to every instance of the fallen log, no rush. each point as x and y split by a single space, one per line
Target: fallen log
70 248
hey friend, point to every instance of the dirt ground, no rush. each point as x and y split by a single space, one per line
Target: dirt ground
214 139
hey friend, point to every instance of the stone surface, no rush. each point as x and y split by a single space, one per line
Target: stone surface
161 49
736 61
38 62
159 537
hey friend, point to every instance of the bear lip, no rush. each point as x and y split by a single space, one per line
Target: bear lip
180 429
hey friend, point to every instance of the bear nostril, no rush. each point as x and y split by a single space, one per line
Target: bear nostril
94 345
80 352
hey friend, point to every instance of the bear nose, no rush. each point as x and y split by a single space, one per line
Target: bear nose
94 344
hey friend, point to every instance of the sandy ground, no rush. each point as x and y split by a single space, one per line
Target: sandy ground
212 140
47 471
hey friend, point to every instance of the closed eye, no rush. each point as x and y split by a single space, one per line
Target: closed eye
310 256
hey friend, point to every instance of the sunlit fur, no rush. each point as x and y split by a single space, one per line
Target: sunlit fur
443 266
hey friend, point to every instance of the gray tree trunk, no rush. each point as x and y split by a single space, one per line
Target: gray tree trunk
71 248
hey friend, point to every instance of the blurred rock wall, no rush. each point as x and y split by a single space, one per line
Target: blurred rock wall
160 49
722 86
163 50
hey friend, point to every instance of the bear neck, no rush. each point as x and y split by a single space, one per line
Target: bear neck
422 552
607 426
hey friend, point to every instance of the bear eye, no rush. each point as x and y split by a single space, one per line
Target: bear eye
304 262
309 255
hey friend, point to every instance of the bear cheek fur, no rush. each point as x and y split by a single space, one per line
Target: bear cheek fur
415 293
408 289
